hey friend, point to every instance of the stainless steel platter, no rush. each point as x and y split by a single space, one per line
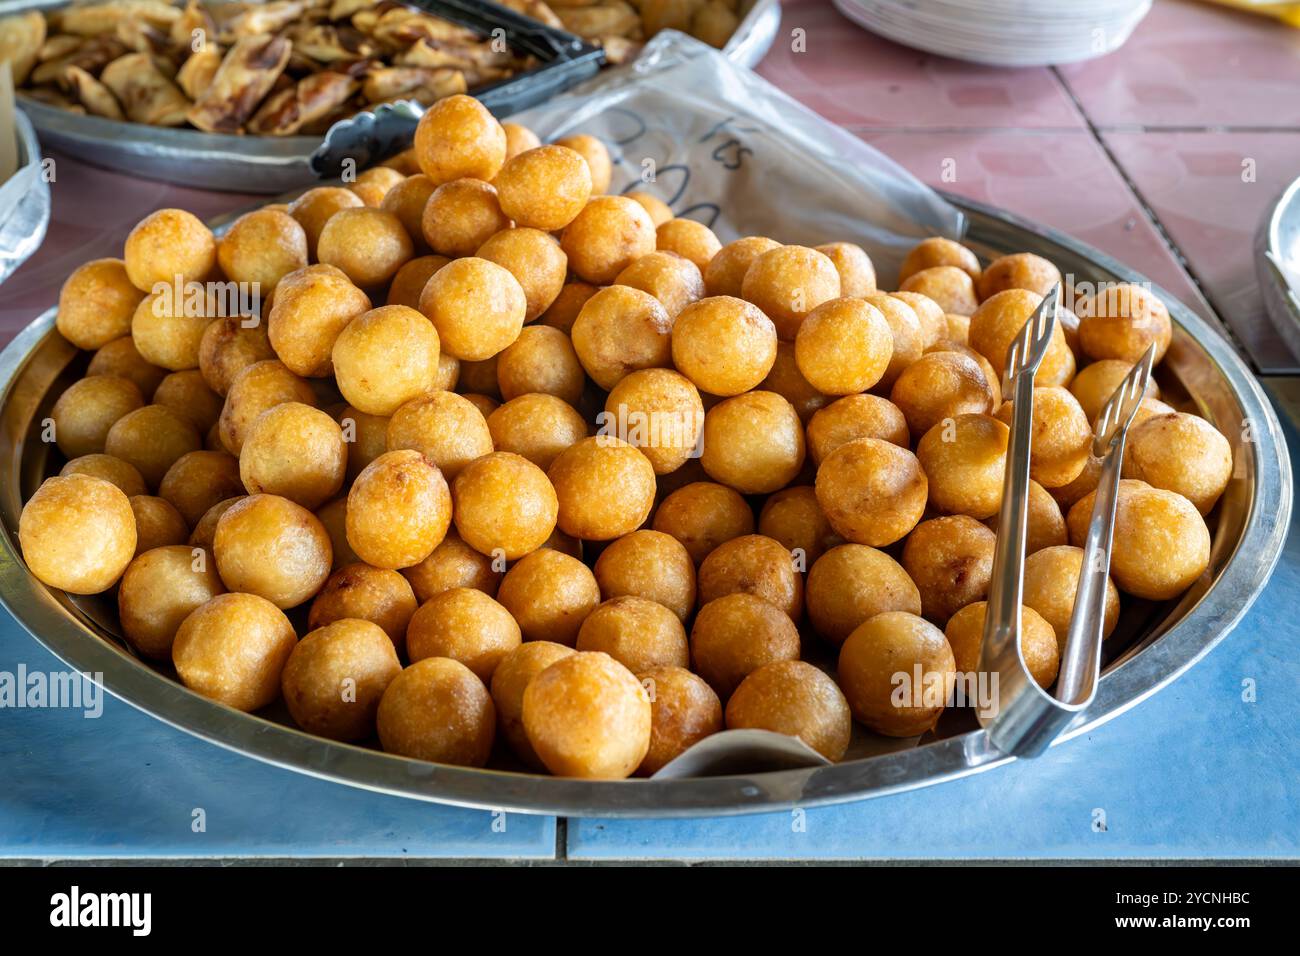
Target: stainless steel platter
1277 264
1157 642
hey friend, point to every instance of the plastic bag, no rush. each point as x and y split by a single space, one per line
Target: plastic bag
24 204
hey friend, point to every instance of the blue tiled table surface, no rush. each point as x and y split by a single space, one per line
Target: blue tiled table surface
1197 771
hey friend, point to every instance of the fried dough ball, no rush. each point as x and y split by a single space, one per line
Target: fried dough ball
460 216
724 345
198 480
443 427
1122 322
659 412
367 245
358 591
479 378
596 155
315 207
857 272
872 492
411 280
753 442
1046 527
477 307
959 330
536 261
683 711
725 275
159 590
1182 453
312 306
605 488
166 244
151 439
659 210
550 594
1022 270
399 509
621 330
295 451
843 346
564 310
437 710
121 358
702 515
262 247
794 698
883 647
852 417
1051 583
407 200
1161 542
786 380
938 251
753 564
950 287
607 236
510 680
97 302
457 137
689 239
259 387
672 279
1062 440
120 474
636 632
965 460
77 533
536 426
909 339
385 358
793 518
465 625
851 583
504 504
787 283
544 188
990 374
542 360
997 323
965 634
168 331
934 327
651 565
940 386
737 634
205 531
1096 383
336 676
188 395
366 438
233 649
951 561
454 564
229 346
269 546
87 409
519 139
373 185
157 524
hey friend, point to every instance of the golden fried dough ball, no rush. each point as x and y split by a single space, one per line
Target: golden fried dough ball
949 286
519 139
454 564
460 216
753 442
702 515
404 162
366 437
965 460
1096 383
367 245
909 339
374 184
851 583
437 710
725 274
360 592
167 331
786 380
536 426
444 428
940 386
1182 453
997 323
951 561
198 480
336 676
77 533
465 625
607 236
683 711
596 155
587 716
990 374
959 330
479 378
119 473
843 346
658 411
121 358
934 327
504 504
872 491
269 546
787 283
315 207
312 306
87 409
564 310
399 509
233 649
295 451
620 330
97 302
544 188
636 632
259 387
965 634
659 211
411 280
853 417
166 244
157 524
724 345
457 137
1122 322
605 488
262 247
407 200
1062 438
542 360
857 272
651 565
205 531
550 594
188 395
536 261
385 358
672 279
477 306
159 590
689 239
230 345
511 678
1161 542
737 634
151 439
794 698
938 251
888 645
1046 527
793 518
1022 270
753 564
1051 583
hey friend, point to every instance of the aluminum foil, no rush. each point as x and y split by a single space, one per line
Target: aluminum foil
24 203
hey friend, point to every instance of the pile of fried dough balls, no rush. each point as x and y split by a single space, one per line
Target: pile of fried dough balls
790 463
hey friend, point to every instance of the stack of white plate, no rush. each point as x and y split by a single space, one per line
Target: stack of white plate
1003 32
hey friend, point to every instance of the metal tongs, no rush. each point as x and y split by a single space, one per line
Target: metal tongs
1028 718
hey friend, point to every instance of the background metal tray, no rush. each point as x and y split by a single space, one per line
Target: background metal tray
1251 525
